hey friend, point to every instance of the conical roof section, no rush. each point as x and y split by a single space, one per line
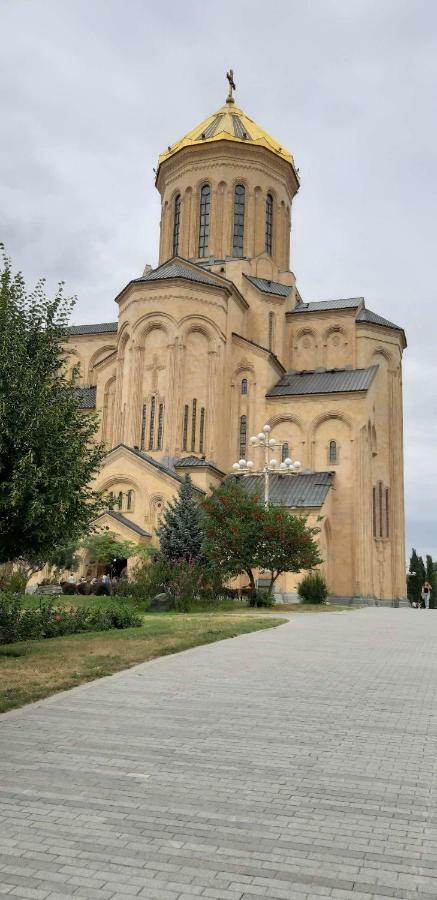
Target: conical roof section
229 123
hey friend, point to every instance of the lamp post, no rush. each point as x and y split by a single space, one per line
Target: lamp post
247 467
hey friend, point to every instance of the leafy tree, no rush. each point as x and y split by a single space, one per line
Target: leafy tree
416 577
241 535
104 546
180 532
48 455
431 577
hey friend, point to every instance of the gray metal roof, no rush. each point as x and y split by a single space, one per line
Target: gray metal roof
320 305
86 396
329 381
153 462
173 269
269 287
128 523
366 315
260 347
195 462
308 489
102 328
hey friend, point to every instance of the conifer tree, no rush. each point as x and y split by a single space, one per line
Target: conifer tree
180 532
416 577
430 576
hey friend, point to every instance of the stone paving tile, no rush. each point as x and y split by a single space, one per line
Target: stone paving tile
295 764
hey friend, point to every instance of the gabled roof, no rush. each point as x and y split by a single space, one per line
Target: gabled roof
102 328
321 305
323 381
86 396
123 520
194 462
272 356
153 462
308 489
175 269
366 315
269 287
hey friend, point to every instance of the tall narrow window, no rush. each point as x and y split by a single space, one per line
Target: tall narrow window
244 386
333 452
205 202
176 224
381 511
243 436
269 224
202 430
238 236
152 423
387 513
271 329
120 500
185 429
374 513
160 425
111 500
193 425
143 427
130 501
285 452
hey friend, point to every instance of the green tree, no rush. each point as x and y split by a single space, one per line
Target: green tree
104 546
416 577
180 532
241 535
430 576
48 454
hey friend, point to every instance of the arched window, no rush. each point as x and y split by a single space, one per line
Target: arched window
185 428
193 425
160 426
120 500
332 456
244 386
243 436
176 224
205 201
271 329
238 236
285 451
130 501
152 423
143 427
202 430
269 224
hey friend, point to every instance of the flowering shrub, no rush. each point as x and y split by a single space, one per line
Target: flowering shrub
18 623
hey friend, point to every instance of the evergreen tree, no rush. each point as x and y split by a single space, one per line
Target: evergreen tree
180 532
416 577
48 453
430 576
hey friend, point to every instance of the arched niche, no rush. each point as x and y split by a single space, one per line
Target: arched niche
336 348
108 411
328 428
96 358
305 349
287 428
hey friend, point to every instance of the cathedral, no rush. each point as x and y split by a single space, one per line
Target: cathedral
217 342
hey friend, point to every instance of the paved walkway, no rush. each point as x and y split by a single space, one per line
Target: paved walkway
289 764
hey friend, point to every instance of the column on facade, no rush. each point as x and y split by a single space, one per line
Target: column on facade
136 397
171 412
179 389
259 222
249 228
212 402
118 408
218 239
397 537
185 229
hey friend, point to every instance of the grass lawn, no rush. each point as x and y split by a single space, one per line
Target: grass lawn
35 669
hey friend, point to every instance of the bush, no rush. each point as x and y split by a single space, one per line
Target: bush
12 578
19 623
313 588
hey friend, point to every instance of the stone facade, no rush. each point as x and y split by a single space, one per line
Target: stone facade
195 362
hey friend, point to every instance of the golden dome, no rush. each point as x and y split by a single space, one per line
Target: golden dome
229 123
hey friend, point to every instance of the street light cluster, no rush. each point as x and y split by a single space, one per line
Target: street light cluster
247 467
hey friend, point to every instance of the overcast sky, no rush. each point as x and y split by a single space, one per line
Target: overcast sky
92 90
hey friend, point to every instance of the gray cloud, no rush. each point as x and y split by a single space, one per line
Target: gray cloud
91 93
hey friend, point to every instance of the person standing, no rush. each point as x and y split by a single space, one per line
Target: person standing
426 593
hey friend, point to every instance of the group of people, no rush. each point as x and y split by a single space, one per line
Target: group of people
102 585
425 596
